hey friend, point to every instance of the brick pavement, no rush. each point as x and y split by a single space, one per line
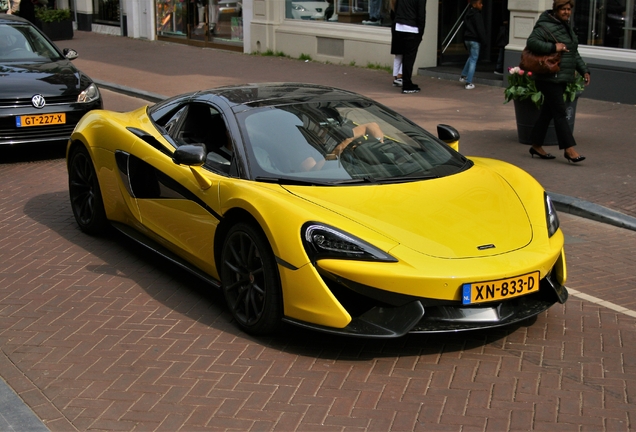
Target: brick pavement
96 334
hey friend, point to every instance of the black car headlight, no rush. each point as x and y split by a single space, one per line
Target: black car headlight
552 219
90 94
324 241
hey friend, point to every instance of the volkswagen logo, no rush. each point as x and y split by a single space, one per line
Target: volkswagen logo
38 101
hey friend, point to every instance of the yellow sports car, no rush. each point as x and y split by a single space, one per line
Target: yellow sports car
320 207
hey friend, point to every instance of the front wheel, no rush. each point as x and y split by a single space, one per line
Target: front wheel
250 279
85 194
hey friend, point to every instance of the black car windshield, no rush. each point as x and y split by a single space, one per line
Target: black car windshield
22 42
337 142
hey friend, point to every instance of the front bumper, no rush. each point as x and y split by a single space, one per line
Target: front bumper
425 316
12 135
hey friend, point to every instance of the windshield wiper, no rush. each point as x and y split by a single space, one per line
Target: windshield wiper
358 180
290 181
407 178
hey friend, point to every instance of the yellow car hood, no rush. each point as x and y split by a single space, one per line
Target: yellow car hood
475 213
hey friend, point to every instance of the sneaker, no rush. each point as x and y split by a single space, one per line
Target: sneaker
462 79
469 86
498 72
397 82
372 21
415 89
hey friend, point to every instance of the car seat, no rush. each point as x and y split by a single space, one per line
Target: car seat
196 124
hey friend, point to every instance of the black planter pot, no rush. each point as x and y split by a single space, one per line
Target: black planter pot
527 114
61 30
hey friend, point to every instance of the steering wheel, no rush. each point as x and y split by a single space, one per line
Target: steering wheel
363 140
18 49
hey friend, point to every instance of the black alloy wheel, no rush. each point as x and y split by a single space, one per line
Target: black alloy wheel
85 194
251 283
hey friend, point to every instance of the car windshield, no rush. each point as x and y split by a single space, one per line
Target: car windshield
342 143
22 42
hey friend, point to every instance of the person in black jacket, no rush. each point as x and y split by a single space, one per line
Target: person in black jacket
410 19
501 42
474 36
552 33
27 10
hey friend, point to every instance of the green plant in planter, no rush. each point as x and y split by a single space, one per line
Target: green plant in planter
52 15
521 86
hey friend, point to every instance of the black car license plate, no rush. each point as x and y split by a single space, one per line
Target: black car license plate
40 120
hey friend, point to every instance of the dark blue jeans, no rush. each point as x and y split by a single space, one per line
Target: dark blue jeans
553 108
471 63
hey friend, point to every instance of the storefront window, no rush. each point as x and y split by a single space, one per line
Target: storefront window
367 12
106 12
171 17
227 20
201 20
608 23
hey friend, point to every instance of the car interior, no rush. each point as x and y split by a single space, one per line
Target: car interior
23 42
204 125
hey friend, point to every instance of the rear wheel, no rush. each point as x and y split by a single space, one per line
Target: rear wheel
85 194
251 283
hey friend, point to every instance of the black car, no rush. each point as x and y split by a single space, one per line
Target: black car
42 95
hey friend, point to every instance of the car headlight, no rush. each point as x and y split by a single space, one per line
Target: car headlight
298 8
552 219
323 241
90 94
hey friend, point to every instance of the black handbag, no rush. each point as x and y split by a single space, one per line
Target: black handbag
541 63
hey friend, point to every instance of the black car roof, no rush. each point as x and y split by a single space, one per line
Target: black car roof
270 94
13 19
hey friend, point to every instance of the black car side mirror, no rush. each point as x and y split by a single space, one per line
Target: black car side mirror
70 54
190 154
449 135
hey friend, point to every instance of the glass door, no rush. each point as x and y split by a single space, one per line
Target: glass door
451 30
198 15
450 27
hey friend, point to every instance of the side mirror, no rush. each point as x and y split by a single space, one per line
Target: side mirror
449 135
70 54
190 155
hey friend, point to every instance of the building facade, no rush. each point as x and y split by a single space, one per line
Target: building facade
358 32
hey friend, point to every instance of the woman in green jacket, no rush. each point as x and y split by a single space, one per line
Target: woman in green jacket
553 33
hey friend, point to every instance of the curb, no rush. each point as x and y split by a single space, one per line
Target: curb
129 91
15 414
563 203
588 210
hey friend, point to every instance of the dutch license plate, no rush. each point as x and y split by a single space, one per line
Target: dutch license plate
40 120
502 289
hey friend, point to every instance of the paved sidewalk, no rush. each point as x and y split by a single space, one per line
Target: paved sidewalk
96 334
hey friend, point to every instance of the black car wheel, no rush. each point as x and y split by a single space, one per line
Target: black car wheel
251 283
86 197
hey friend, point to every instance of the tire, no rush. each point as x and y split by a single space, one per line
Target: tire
85 194
250 280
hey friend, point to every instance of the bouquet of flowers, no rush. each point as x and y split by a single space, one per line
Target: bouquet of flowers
521 86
